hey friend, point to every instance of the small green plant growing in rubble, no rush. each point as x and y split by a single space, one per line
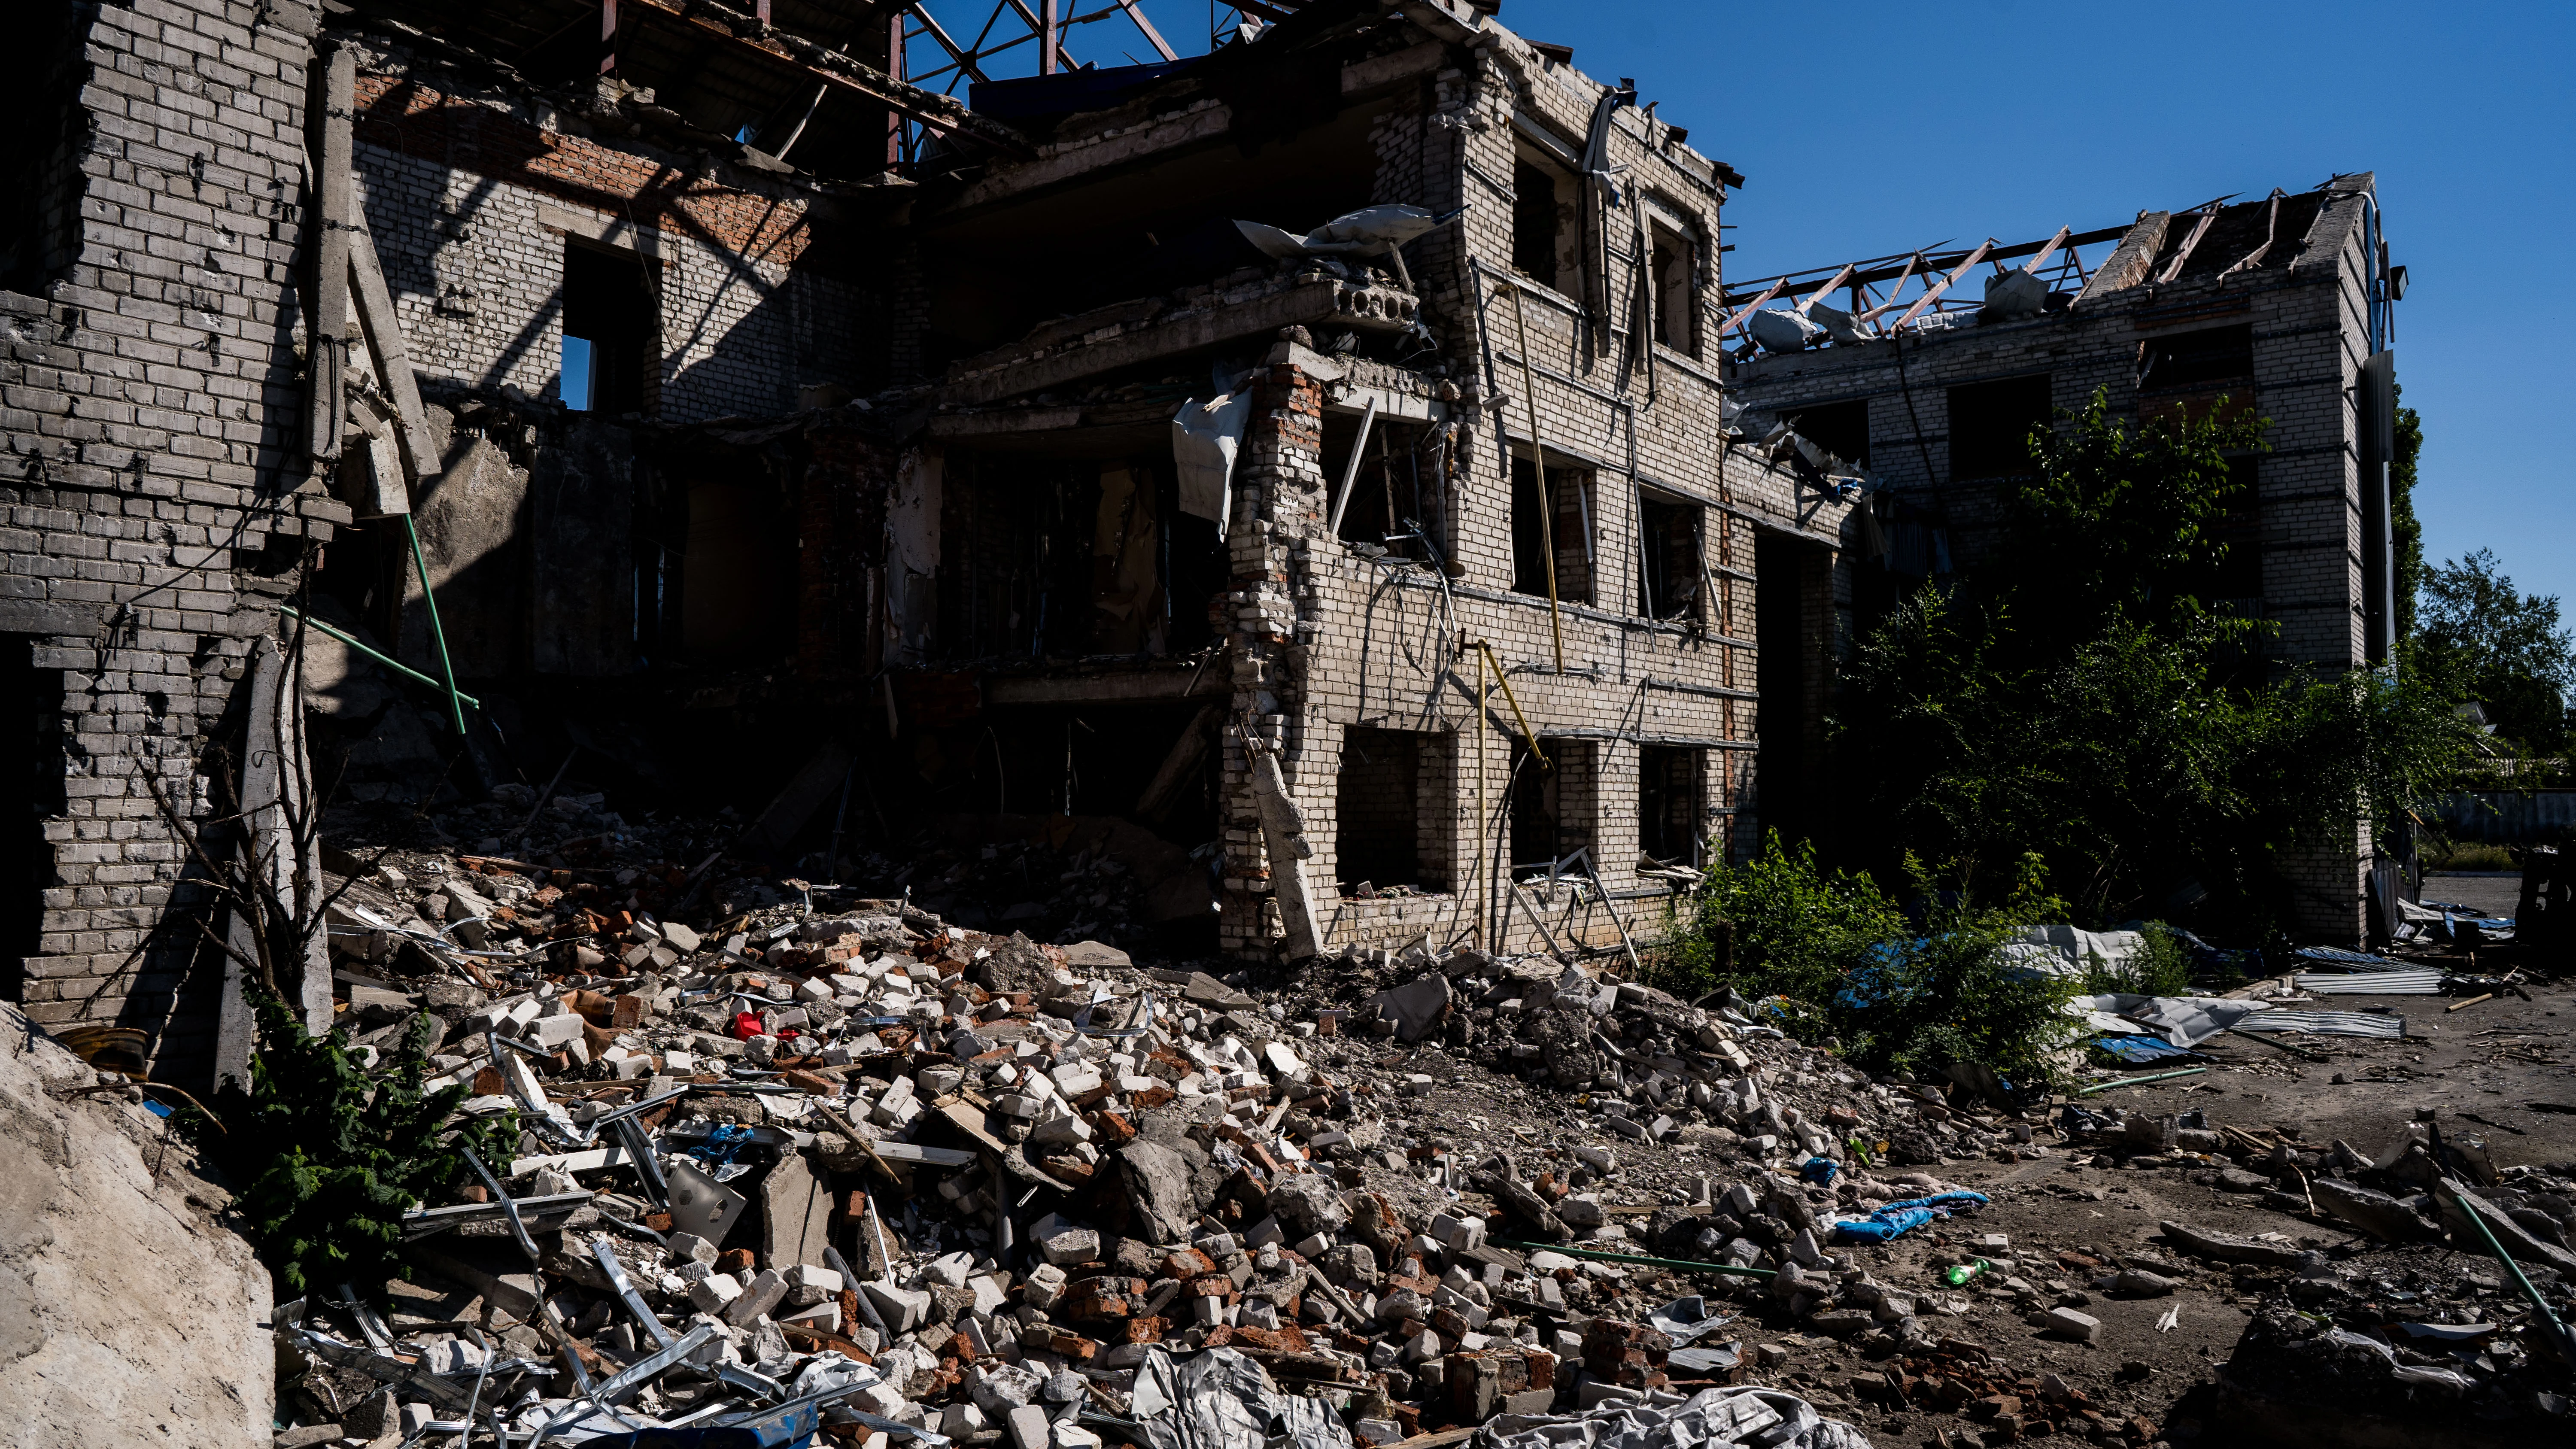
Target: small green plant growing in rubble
328 1155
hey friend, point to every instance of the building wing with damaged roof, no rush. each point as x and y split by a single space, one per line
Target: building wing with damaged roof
1923 385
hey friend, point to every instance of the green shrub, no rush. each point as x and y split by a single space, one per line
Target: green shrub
329 1156
1794 929
2162 969
1841 956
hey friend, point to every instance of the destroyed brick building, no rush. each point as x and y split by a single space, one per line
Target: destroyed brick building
2279 307
1436 510
1311 474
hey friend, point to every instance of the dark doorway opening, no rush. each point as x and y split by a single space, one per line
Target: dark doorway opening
1779 569
31 788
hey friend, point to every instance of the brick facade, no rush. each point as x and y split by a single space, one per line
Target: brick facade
153 491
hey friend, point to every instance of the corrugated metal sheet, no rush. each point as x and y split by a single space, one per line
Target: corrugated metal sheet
2331 1023
2372 983
2509 817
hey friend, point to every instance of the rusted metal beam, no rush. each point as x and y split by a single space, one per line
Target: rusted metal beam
930 27
1838 279
727 27
1738 320
2271 233
2035 263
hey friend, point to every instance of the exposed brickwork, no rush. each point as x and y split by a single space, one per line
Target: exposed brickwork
150 479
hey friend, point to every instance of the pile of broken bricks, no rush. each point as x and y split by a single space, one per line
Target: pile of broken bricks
925 1183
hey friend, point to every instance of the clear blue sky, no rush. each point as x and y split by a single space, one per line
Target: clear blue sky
1869 128
1864 129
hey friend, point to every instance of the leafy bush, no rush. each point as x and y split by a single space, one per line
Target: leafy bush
1846 963
331 1156
2163 968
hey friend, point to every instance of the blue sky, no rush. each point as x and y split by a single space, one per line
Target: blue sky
1864 129
1867 129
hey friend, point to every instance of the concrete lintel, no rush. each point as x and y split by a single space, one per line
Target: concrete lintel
605 230
1392 405
1142 686
1322 303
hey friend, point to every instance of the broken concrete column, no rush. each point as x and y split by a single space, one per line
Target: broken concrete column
1283 835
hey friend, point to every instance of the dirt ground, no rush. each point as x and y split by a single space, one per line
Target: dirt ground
2501 1069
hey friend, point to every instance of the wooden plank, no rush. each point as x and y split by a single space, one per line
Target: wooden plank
383 327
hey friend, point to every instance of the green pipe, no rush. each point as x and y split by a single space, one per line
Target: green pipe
445 666
387 661
1683 1264
2133 1081
2557 1335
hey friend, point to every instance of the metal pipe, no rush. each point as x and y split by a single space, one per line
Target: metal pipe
2134 1081
446 666
1509 698
386 660
2558 1335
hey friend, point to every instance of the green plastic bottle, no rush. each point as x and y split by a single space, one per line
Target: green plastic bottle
1960 1276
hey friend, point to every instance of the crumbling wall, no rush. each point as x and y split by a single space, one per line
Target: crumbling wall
129 1314
153 486
473 197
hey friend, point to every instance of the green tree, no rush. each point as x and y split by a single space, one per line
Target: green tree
2487 641
2071 700
2406 531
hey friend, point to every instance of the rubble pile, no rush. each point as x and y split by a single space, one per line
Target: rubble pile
907 1179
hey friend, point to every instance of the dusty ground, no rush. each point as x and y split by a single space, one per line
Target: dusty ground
2496 1069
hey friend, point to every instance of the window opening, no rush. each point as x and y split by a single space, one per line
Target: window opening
1561 497
1672 571
611 332
1669 786
1991 424
1377 796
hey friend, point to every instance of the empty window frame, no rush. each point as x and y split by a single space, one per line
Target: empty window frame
1400 489
1552 806
1673 268
1534 221
1671 564
1991 424
1563 506
1670 786
1841 429
2207 359
611 331
1377 795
